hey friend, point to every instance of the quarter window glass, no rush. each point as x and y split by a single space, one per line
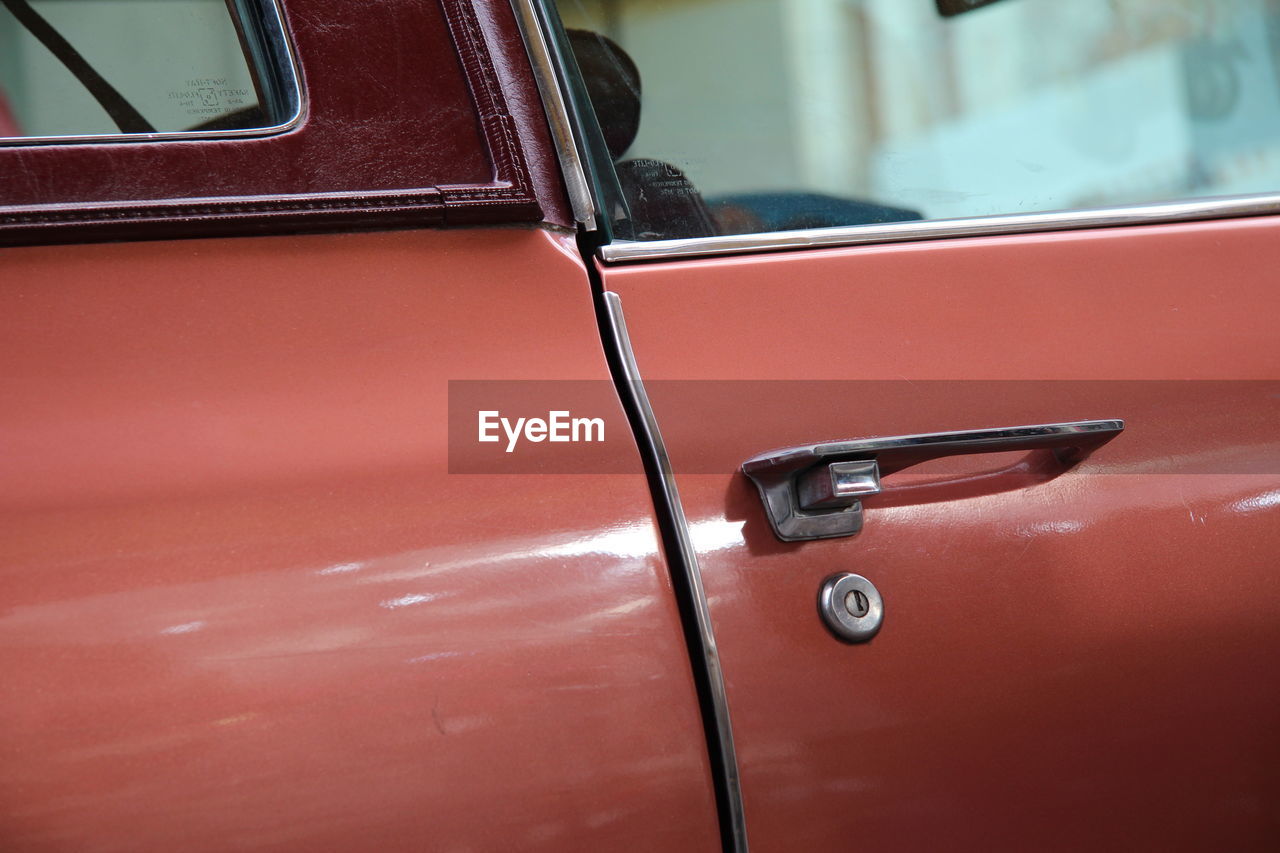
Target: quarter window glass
93 67
767 115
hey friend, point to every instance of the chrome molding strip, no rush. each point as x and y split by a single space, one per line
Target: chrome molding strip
274 30
533 25
689 557
858 235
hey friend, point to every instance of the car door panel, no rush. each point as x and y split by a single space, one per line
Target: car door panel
247 605
1070 656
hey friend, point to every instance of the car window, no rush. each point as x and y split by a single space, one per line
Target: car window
95 67
772 115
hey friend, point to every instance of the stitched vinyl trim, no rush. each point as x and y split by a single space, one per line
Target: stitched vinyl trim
510 196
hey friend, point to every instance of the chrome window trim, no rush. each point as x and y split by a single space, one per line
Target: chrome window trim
737 842
1186 210
287 67
531 16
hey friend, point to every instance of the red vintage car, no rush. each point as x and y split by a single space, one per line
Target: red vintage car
695 425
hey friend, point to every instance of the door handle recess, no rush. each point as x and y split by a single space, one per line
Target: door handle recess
814 491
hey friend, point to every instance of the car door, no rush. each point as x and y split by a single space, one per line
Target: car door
1033 214
245 601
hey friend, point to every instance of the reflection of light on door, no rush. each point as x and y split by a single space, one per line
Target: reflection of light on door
184 628
1257 503
407 600
341 569
715 534
635 540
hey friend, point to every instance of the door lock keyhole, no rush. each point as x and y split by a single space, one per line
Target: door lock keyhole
857 604
851 606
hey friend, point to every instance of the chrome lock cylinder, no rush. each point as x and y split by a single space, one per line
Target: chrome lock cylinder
851 607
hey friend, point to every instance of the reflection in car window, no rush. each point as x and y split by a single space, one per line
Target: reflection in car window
93 67
779 115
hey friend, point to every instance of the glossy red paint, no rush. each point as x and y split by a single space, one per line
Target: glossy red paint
245 605
1069 660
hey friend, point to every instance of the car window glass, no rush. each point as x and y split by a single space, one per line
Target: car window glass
770 115
93 67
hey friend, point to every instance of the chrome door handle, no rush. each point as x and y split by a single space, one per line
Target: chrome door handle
814 491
